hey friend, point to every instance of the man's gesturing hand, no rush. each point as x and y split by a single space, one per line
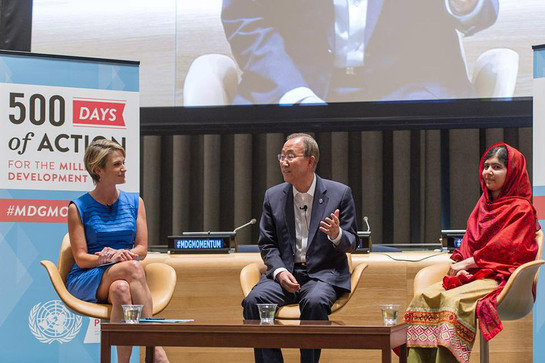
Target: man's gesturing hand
330 226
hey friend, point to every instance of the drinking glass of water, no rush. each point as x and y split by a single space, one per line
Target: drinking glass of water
266 313
389 314
131 313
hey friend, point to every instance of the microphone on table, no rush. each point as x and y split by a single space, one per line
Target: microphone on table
253 221
366 220
365 244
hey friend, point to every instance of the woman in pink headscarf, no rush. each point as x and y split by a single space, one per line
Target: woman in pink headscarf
500 236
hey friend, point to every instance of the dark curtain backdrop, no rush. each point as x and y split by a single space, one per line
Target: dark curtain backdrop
15 24
410 184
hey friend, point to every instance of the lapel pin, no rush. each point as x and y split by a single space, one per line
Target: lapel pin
321 201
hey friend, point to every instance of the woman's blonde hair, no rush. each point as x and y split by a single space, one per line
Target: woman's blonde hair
96 156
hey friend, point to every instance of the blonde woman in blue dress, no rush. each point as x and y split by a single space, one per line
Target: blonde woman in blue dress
109 235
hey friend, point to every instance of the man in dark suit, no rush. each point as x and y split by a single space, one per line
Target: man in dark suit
307 227
311 51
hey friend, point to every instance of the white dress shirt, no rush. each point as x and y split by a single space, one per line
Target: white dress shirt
302 208
349 48
350 22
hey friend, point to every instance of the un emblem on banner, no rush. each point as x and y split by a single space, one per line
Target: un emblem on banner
51 321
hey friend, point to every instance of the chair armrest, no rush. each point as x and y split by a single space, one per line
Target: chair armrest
354 281
495 73
430 275
100 311
161 279
356 275
250 275
211 80
516 299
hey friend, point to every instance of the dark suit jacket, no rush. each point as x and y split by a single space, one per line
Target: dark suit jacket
409 45
277 232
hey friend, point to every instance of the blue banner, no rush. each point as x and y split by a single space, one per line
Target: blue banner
52 108
539 192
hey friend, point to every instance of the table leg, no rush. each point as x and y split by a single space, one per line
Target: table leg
387 355
105 348
150 351
403 353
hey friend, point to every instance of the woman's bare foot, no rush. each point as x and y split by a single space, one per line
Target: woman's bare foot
160 356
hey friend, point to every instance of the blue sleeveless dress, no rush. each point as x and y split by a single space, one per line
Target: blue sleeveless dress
105 226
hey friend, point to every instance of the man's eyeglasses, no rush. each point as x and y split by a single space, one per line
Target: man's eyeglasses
289 157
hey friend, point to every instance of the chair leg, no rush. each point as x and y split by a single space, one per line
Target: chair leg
484 347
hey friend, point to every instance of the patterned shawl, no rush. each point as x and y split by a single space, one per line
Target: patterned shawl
500 236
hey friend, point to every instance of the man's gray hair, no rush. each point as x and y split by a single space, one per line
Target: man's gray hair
310 146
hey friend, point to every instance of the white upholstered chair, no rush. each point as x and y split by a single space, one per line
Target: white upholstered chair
211 80
495 73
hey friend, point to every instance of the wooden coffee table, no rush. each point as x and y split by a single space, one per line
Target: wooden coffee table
249 333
